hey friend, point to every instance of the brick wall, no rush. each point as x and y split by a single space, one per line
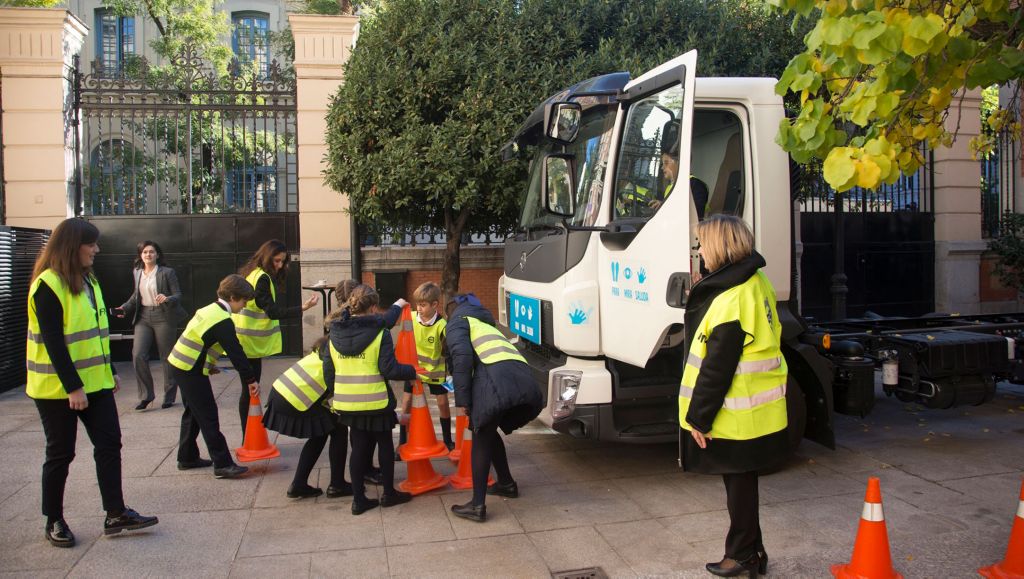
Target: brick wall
481 268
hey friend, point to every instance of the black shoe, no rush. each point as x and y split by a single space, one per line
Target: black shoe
510 490
398 455
197 463
471 512
59 535
395 498
372 476
166 405
230 471
129 520
303 492
345 490
360 506
732 568
142 405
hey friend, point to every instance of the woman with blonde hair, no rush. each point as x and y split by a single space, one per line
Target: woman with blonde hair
732 399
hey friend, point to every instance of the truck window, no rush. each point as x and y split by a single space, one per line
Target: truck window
649 155
589 151
717 179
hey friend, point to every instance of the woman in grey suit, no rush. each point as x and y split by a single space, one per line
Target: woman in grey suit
155 310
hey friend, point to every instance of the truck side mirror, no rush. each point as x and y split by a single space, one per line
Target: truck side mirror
557 185
562 122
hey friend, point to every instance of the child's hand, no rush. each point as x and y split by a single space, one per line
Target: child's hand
254 389
403 419
401 303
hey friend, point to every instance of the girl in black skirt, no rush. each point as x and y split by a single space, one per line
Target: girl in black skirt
362 355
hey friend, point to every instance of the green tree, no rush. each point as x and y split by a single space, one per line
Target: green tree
434 89
31 3
878 78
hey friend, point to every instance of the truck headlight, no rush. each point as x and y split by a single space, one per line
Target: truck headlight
564 387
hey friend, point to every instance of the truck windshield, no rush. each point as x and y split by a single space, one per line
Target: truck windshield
590 159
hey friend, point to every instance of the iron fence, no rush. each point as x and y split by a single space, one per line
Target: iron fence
18 250
913 193
382 236
998 186
185 140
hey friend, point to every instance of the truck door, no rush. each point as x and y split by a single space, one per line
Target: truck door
645 248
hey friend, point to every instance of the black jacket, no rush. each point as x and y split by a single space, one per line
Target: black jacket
223 333
724 348
504 392
167 284
275 310
351 335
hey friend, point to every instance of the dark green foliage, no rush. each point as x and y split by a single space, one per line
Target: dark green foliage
434 89
1009 246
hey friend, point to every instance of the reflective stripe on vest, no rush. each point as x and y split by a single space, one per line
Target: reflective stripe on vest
491 345
86 334
303 384
186 351
259 335
755 404
358 385
428 349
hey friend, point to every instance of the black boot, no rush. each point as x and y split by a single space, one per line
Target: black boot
728 567
471 512
446 432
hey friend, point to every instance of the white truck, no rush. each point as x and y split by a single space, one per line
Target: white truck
596 278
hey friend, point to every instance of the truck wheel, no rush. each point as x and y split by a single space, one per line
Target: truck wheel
796 413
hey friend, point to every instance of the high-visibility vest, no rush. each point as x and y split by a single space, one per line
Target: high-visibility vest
358 384
185 353
428 349
303 384
86 333
489 344
755 404
259 335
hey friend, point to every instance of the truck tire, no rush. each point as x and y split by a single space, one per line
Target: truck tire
796 413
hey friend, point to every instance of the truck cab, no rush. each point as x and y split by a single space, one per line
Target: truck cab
596 277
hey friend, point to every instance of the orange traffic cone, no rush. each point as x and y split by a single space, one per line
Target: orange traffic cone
422 442
461 422
421 477
463 479
405 345
1012 566
256 445
871 558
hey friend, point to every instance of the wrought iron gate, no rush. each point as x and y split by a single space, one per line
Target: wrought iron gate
889 253
185 140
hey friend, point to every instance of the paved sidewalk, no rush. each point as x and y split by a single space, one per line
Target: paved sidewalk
950 483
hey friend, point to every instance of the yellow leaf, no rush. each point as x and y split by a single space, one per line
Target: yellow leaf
868 173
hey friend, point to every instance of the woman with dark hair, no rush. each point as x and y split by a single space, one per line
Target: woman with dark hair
732 398
70 377
155 311
257 324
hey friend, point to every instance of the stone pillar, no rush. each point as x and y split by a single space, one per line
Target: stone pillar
958 242
36 50
322 46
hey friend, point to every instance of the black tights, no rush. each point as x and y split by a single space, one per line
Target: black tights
362 452
487 449
311 452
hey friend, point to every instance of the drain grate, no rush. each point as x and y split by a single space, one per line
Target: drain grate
588 573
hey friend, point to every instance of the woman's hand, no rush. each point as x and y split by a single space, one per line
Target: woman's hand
119 312
160 298
117 383
77 400
700 439
312 301
254 389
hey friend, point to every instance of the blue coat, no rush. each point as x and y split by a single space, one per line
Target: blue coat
504 392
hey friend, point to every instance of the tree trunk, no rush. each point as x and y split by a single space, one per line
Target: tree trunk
452 268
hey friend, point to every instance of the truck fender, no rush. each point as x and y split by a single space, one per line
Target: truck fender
812 373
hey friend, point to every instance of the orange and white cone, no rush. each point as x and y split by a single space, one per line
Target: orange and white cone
256 445
423 442
1012 565
463 478
871 558
461 425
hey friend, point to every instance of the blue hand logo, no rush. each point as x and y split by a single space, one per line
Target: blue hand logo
577 316
641 276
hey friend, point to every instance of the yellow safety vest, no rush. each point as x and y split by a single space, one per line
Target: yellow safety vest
303 384
185 353
491 345
428 349
358 384
259 335
755 404
86 333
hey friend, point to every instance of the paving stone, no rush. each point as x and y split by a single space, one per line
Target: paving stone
505 556
272 566
310 527
582 504
578 548
421 520
26 550
618 460
355 563
675 493
500 517
650 548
